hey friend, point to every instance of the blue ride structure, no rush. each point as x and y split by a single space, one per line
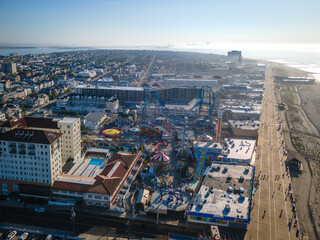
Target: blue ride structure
201 111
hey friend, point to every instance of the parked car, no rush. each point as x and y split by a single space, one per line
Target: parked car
40 209
24 236
11 235
31 236
42 237
4 235
49 237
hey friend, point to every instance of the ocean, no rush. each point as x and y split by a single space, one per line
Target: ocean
35 50
303 57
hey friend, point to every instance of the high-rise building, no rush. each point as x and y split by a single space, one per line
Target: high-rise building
29 157
71 139
69 127
235 56
10 68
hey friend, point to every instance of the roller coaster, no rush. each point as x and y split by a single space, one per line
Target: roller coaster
200 112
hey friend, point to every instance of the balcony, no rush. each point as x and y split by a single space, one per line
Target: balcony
13 151
31 146
12 145
22 146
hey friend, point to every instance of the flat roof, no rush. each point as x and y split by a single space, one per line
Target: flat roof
245 124
86 170
233 148
95 116
225 193
66 119
112 87
240 148
192 80
164 204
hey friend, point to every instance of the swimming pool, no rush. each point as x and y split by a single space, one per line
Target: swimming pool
96 161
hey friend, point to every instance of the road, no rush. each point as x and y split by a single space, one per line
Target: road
146 73
272 216
93 225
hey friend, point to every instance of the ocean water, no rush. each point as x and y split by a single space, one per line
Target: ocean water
25 51
301 56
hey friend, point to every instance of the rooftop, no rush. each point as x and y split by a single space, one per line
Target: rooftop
30 136
95 116
97 175
232 149
225 193
111 87
245 124
68 120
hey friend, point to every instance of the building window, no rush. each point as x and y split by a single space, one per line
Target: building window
97 197
15 187
4 189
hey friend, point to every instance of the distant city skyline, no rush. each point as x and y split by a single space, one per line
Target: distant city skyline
142 23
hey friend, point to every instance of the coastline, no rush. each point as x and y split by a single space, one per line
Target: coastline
312 69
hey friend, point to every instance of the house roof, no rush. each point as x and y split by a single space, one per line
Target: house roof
30 136
32 122
106 182
124 157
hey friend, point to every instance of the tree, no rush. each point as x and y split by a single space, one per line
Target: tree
34 94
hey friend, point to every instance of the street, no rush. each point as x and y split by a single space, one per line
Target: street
93 225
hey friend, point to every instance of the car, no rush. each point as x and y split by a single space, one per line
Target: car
49 237
31 236
4 235
11 235
24 236
42 237
40 209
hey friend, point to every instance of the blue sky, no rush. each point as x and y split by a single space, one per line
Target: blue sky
121 23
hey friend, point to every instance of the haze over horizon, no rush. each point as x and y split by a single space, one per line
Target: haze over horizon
178 24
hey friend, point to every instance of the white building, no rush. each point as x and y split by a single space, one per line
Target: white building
71 139
69 127
87 74
2 117
29 156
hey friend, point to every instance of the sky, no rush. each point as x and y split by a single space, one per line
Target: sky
134 23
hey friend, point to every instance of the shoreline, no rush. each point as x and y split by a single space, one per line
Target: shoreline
310 69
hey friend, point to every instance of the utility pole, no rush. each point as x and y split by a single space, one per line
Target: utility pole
73 216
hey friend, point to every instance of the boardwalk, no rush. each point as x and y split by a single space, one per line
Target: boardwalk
272 215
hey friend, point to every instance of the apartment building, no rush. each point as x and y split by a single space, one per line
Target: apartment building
71 139
29 156
69 127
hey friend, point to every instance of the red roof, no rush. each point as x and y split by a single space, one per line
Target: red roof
30 136
31 122
103 184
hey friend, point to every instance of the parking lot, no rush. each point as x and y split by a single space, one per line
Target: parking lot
19 234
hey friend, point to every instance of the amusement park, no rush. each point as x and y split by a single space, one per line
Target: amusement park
192 169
